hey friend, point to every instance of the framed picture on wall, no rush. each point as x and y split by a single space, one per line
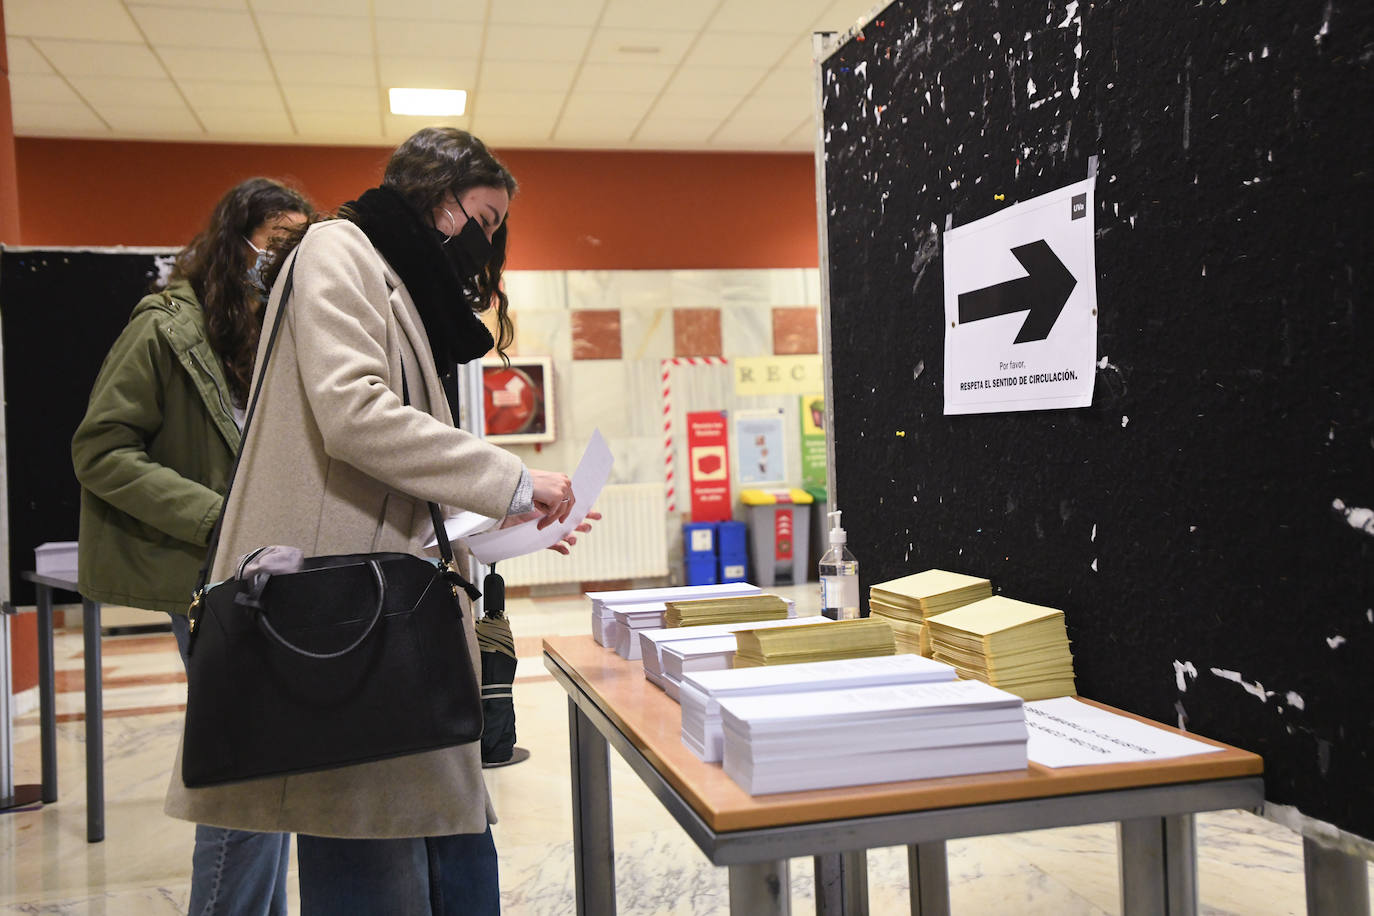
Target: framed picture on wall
518 399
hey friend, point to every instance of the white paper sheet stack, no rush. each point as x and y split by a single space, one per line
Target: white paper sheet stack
632 619
653 642
604 604
701 691
826 739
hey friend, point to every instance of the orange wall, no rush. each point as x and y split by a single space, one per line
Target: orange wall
576 210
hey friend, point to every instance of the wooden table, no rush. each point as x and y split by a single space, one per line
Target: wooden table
611 704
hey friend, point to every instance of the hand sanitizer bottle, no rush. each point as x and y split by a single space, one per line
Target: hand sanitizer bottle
839 576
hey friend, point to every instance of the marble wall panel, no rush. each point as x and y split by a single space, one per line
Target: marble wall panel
628 289
595 397
536 289
746 331
646 333
543 332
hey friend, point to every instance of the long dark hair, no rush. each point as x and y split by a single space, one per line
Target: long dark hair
216 264
435 160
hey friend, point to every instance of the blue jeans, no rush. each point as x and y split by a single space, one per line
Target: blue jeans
425 876
235 872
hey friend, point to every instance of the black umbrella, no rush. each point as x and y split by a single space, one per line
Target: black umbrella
497 646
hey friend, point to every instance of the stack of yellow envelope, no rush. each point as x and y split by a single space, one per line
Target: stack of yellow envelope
788 645
739 609
1020 647
906 603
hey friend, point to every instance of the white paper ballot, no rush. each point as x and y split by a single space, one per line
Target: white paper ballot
1067 733
591 475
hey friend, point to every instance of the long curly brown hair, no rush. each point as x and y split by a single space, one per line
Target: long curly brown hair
216 263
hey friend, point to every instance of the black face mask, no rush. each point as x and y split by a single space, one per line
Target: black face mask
469 251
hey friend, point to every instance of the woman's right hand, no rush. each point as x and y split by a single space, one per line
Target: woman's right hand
553 496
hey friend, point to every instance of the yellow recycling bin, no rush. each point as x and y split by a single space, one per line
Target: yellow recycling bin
779 534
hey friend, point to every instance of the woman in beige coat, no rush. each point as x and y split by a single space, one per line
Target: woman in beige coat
335 462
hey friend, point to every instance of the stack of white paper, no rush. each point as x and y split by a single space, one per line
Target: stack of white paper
652 642
632 619
701 691
711 654
825 739
605 603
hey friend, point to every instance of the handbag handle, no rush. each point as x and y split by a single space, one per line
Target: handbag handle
266 625
446 563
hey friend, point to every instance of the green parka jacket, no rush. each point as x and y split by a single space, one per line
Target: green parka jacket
153 456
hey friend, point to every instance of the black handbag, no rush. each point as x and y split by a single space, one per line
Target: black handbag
351 659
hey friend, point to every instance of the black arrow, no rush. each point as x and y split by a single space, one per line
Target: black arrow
1044 291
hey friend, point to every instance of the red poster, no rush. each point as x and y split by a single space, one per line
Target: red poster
708 458
782 534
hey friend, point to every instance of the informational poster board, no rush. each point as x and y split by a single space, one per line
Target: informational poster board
708 456
762 449
1021 306
813 440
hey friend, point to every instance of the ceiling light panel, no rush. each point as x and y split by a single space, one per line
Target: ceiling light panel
98 20
210 28
417 102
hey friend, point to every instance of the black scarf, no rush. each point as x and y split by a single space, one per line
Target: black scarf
410 245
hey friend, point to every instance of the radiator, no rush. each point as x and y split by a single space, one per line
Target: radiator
630 542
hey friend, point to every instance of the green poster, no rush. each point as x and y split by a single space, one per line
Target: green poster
813 440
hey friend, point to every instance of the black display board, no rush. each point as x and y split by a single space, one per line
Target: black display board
60 310
1211 511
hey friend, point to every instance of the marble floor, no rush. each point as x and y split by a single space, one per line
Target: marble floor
1247 865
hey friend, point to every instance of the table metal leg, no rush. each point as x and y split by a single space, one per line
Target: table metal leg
842 884
928 873
760 889
593 844
95 724
1158 866
1337 883
47 696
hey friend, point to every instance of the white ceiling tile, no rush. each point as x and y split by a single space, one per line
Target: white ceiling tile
594 133
231 95
101 58
516 105
803 137
632 46
843 14
101 20
607 106
246 122
323 34
774 108
676 105
787 17
499 131
546 12
302 98
536 43
338 124
473 11
141 119
35 120
197 28
23 56
42 89
730 49
747 131
512 76
354 8
613 78
402 126
245 65
789 84
428 39
800 56
123 92
428 72
669 129
206 4
325 69
655 15
708 80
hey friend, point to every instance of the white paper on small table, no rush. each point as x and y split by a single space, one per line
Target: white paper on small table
1067 733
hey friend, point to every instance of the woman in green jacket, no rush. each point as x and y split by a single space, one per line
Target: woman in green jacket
153 456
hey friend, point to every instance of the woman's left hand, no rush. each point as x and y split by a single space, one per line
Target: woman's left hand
570 538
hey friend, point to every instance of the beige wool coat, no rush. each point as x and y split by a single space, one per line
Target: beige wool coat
334 463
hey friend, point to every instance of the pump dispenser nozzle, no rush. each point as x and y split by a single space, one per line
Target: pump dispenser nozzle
837 535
